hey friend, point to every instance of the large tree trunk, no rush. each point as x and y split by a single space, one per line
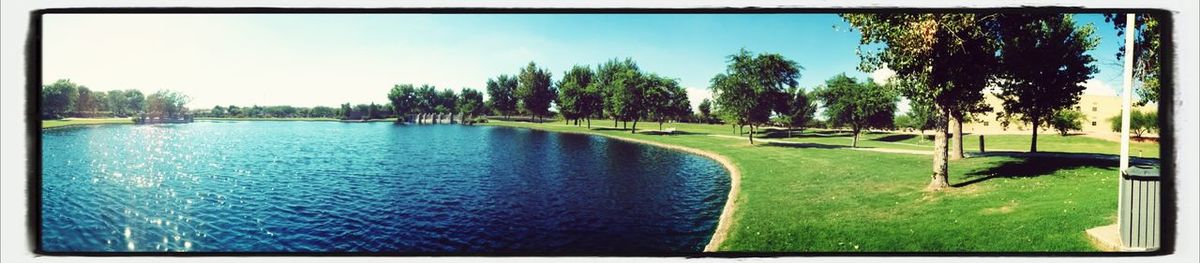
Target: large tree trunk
956 144
589 123
660 123
941 178
634 130
1033 141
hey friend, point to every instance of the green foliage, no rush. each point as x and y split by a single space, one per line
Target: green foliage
941 59
470 103
58 98
574 98
857 105
705 108
427 99
748 90
1043 64
534 90
608 75
919 118
1147 46
796 108
1065 121
1140 122
665 100
346 111
502 94
404 99
446 101
166 103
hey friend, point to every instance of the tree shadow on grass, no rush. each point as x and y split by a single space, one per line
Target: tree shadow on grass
783 134
895 137
806 145
1026 167
659 132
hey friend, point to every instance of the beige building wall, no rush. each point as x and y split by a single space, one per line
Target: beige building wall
1096 108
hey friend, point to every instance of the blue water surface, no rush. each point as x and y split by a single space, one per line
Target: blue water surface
369 187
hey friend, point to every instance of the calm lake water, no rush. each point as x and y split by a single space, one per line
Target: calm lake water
345 187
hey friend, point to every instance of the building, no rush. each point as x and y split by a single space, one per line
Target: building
1097 108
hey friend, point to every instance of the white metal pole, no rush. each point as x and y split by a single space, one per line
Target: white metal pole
1126 97
1127 90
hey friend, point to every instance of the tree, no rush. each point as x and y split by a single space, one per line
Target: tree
502 94
1043 64
166 103
1139 122
117 103
1146 50
919 118
427 101
941 59
748 90
58 98
857 105
136 100
447 103
217 111
665 100
629 96
470 104
796 109
85 102
573 94
534 90
346 111
404 99
322 112
706 110
1065 121
606 85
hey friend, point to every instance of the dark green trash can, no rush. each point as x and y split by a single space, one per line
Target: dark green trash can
1139 210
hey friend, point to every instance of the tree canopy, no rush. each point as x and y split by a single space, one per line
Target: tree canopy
858 105
1043 65
748 90
534 90
501 94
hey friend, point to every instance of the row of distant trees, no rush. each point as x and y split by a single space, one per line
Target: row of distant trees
277 111
64 98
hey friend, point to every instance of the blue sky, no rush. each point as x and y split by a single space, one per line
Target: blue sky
329 59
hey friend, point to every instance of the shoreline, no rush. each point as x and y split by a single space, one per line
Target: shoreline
725 220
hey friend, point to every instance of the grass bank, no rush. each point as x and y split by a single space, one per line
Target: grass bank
83 121
821 197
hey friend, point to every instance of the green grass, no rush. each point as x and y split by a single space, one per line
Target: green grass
84 121
810 199
1047 142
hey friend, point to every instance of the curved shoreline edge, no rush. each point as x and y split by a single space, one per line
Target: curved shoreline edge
725 220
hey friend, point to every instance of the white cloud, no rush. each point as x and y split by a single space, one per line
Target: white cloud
695 95
1098 87
882 75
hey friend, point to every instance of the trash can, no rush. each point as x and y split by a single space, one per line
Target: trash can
1139 210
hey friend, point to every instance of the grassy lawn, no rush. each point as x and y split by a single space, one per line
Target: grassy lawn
817 199
84 121
1047 142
